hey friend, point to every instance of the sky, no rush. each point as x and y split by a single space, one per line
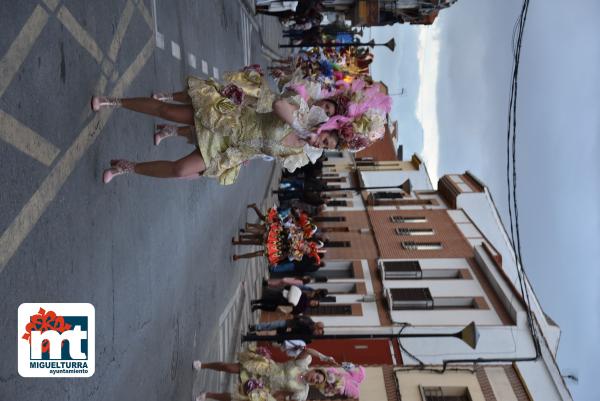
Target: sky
456 74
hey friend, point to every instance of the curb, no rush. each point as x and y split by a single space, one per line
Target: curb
266 50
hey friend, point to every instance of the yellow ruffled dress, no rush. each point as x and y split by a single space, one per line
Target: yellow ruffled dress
230 134
274 377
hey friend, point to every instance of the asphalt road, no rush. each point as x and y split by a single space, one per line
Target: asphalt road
152 256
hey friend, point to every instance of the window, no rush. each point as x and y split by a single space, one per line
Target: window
403 269
334 229
337 244
337 203
421 299
387 195
408 219
336 270
336 179
331 153
445 394
329 218
411 298
330 309
414 231
411 270
415 202
421 246
362 163
459 303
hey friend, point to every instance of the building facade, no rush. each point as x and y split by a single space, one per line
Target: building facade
389 12
403 256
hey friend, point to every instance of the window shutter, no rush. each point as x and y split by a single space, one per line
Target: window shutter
411 298
405 269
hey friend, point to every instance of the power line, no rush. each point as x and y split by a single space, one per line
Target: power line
511 167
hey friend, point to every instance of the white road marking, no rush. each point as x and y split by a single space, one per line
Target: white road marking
175 50
215 72
160 38
15 234
26 140
192 60
204 67
246 37
21 46
80 34
120 32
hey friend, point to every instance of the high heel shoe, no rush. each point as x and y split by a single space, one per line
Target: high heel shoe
163 97
99 102
119 167
164 131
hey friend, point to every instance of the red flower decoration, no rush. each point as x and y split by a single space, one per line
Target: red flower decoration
233 93
44 321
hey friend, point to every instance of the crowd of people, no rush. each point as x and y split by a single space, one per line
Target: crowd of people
286 234
323 97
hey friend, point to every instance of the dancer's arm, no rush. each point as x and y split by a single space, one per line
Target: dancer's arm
283 395
284 110
317 354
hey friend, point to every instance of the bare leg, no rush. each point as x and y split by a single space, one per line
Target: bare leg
182 97
258 212
187 166
275 282
246 241
222 367
219 396
249 255
255 227
251 236
164 131
179 113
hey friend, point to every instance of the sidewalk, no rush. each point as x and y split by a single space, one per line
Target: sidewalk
269 30
225 343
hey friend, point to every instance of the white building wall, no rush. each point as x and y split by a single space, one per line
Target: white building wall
418 178
445 288
369 316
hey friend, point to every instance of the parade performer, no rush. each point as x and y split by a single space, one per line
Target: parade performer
286 236
263 379
230 128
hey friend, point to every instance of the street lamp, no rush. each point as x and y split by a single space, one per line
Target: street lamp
406 186
469 335
390 44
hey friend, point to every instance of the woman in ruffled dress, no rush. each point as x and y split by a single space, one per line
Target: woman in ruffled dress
263 379
233 123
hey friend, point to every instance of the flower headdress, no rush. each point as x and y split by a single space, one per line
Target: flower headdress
360 120
343 381
360 111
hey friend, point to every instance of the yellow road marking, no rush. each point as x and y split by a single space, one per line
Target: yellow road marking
80 34
15 234
21 46
51 4
121 29
26 140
